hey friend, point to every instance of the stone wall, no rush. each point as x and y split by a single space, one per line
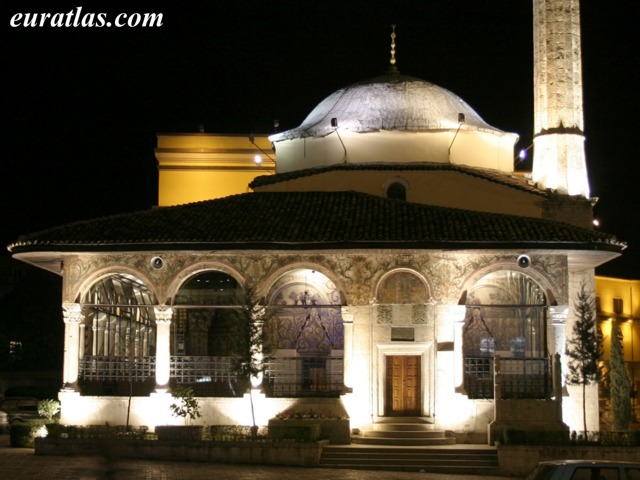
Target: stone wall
264 453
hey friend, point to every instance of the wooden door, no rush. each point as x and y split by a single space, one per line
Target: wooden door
403 386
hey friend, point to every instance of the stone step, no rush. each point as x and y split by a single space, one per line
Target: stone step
403 433
461 461
386 440
407 427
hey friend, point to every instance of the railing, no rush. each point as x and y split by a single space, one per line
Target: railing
526 377
213 376
200 369
115 369
520 377
304 377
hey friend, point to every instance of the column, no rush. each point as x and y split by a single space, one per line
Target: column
72 315
257 317
163 346
556 337
347 323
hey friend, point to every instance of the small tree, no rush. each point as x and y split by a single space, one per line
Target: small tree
619 384
48 408
186 406
247 360
583 348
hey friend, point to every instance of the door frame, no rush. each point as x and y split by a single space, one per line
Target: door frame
422 349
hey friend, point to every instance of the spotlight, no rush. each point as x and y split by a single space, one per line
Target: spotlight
157 263
524 261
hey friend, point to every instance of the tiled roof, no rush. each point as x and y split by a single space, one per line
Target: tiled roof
310 220
494 176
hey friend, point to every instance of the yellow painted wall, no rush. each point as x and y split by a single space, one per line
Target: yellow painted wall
201 166
607 289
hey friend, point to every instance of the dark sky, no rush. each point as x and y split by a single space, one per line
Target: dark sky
82 106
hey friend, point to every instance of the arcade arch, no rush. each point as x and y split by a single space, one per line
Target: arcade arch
506 316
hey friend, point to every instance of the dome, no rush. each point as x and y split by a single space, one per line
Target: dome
389 102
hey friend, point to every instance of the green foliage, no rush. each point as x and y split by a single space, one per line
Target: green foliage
56 430
583 347
534 437
539 437
296 433
247 360
619 383
186 406
48 408
246 336
235 433
23 434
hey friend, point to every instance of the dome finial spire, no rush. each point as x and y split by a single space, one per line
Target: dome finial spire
392 62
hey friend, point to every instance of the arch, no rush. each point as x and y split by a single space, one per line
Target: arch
117 335
506 315
204 314
94 277
505 265
401 285
196 268
304 334
266 286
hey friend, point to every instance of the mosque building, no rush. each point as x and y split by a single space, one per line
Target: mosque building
403 269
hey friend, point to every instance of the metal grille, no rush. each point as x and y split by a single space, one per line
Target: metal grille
304 377
520 377
111 368
195 369
478 377
526 377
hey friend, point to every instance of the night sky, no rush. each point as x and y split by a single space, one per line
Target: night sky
82 106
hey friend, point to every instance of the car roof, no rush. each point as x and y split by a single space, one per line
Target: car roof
587 462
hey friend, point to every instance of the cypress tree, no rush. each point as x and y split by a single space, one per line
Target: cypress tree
619 382
583 348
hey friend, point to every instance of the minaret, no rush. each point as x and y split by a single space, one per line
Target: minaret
559 161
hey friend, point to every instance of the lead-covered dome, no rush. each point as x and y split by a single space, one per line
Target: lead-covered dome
389 102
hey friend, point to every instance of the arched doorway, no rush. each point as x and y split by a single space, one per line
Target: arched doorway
506 314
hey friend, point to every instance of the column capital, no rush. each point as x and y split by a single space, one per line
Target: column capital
347 316
72 312
163 314
558 314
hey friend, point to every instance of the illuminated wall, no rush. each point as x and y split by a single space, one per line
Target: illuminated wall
620 298
200 166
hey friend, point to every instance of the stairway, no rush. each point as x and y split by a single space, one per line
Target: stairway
414 431
461 460
410 444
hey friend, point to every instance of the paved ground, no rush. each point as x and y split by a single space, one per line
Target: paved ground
21 463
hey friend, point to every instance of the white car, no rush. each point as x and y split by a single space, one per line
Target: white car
585 470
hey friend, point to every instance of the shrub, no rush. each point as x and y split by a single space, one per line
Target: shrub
48 408
297 433
234 433
24 434
186 406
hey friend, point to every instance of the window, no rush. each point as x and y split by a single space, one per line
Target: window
397 191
